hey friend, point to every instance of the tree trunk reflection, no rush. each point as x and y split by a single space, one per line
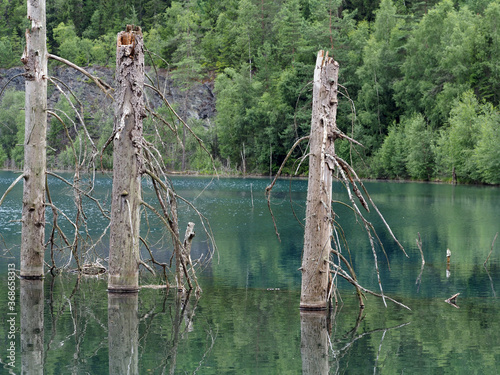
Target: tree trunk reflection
314 342
123 333
31 298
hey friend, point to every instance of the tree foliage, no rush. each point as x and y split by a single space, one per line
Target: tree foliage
404 65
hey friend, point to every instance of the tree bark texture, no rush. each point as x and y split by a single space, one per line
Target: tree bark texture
123 333
32 305
127 163
317 242
33 216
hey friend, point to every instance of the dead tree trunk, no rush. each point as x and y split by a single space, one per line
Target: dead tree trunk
33 217
127 163
318 229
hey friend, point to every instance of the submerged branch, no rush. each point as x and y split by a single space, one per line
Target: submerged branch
346 276
492 245
419 244
270 186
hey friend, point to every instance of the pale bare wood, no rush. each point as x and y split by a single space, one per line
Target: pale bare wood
491 250
35 139
98 81
126 199
318 228
453 300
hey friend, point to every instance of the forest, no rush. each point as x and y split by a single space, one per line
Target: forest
419 82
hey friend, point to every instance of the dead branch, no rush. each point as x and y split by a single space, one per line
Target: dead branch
270 187
419 244
491 250
98 81
145 265
55 226
352 274
346 276
368 226
204 221
9 81
82 122
358 180
67 132
453 300
198 139
9 189
169 125
104 212
154 261
186 254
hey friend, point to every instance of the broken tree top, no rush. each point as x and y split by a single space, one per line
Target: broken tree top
127 37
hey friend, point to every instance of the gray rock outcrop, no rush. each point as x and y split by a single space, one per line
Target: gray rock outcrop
198 102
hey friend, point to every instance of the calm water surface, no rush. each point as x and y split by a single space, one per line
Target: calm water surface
247 320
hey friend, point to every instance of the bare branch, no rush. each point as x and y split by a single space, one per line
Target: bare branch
343 274
9 189
198 139
419 245
270 187
98 81
9 81
486 261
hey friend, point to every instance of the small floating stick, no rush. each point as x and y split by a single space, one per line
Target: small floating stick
453 300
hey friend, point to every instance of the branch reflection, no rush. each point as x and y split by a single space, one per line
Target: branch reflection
324 352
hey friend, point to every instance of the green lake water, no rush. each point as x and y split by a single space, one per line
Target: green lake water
247 320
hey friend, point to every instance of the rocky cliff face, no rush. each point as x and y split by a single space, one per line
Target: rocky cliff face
198 102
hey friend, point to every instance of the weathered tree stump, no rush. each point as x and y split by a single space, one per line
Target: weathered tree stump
35 140
318 228
127 163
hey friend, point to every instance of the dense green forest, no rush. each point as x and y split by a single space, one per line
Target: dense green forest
420 80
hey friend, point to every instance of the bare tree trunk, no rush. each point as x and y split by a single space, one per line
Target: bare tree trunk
127 163
33 216
317 243
32 304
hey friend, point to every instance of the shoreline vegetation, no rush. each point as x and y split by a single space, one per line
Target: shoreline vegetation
413 88
239 174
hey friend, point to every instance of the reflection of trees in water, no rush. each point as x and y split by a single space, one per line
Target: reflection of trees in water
77 329
342 344
31 298
123 333
180 314
143 330
323 348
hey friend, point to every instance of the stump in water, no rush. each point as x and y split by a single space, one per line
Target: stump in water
35 140
318 229
127 163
